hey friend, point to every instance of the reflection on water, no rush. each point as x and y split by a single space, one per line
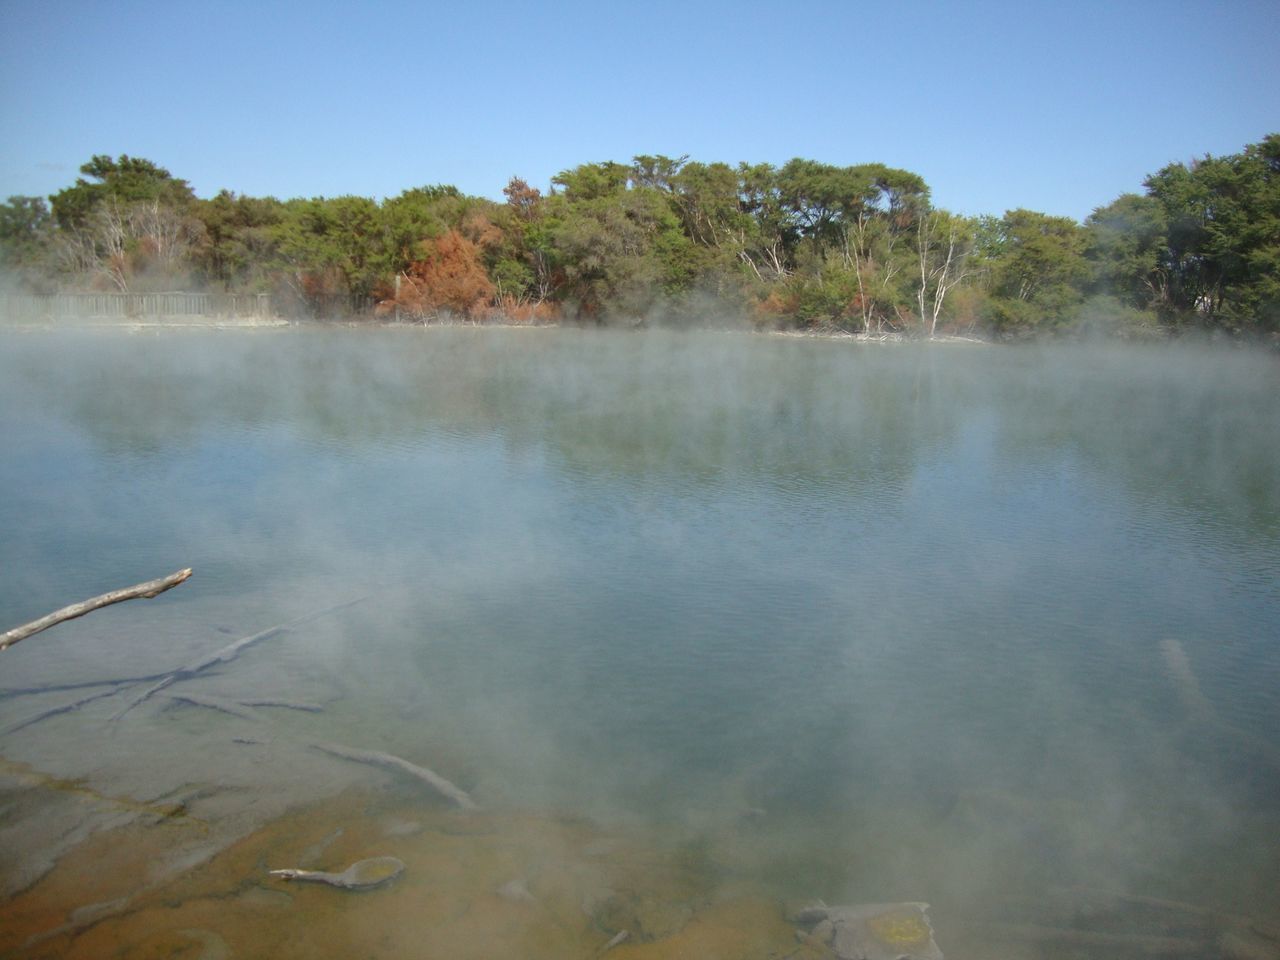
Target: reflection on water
793 619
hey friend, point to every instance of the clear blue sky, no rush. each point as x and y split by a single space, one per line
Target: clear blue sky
1053 106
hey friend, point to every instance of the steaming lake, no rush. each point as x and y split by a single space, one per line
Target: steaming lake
940 622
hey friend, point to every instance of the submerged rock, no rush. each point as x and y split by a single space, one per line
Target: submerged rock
648 918
876 931
516 891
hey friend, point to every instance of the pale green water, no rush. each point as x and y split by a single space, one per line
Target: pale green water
900 606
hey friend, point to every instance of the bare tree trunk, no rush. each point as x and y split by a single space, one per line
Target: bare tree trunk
746 258
938 272
151 588
109 222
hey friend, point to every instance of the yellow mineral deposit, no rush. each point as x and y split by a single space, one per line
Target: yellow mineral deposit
901 929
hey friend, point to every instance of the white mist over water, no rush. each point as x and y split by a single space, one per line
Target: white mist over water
897 609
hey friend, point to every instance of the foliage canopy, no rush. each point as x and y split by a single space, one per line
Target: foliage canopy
670 239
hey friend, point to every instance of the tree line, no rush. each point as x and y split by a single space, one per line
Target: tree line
662 240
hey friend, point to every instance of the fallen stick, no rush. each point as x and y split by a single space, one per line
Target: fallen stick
236 707
227 652
152 588
286 704
215 703
53 712
83 685
429 777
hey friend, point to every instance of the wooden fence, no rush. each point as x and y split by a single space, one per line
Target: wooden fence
133 306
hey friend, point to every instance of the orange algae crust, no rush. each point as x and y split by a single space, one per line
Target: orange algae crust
103 898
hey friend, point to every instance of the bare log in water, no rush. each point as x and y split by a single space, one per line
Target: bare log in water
429 777
229 651
152 588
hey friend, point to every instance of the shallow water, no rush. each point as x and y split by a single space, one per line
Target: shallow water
860 622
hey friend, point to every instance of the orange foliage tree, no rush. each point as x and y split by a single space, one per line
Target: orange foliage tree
450 277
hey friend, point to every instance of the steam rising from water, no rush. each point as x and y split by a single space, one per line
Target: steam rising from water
871 623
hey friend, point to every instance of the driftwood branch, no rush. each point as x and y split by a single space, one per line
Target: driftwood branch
152 588
432 779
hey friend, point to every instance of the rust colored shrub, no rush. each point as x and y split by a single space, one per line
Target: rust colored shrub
509 309
451 275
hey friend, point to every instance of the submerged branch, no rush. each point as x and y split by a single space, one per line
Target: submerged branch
429 777
236 708
286 704
229 651
1201 710
82 685
55 711
151 588
214 703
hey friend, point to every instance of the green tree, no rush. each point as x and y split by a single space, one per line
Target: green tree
522 268
330 248
1222 258
240 246
1036 270
125 180
1127 240
842 231
26 236
620 253
768 242
657 172
593 181
821 199
414 216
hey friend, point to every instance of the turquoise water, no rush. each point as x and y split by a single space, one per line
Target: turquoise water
901 607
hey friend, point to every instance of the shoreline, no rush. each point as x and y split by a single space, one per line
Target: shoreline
278 323
534 884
